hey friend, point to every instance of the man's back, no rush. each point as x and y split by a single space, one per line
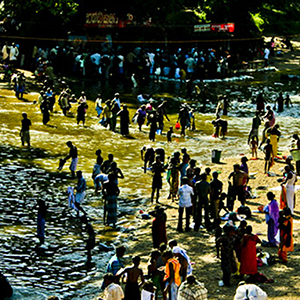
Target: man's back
202 188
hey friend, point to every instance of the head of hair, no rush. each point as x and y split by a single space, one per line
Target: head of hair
244 159
215 174
223 196
155 253
193 162
69 143
173 243
185 180
191 279
236 166
167 254
24 115
287 211
270 196
243 223
110 157
162 247
176 154
84 219
197 171
120 250
98 152
183 150
249 229
136 260
207 170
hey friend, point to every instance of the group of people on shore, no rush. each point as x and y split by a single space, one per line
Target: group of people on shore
105 62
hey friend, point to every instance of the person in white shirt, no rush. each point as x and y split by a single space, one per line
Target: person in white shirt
249 291
117 99
185 193
112 291
266 56
13 54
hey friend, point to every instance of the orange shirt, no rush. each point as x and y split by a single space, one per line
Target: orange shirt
176 268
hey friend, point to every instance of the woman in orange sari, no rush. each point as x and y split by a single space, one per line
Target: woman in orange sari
286 234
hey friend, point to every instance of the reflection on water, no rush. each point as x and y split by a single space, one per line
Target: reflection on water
29 174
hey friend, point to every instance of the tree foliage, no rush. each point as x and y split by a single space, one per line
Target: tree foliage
248 15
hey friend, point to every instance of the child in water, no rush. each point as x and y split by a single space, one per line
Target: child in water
169 134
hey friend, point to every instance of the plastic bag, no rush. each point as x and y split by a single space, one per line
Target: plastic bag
177 126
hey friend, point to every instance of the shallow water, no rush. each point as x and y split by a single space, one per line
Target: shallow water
29 174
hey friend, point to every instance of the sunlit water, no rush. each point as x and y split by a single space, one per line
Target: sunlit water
29 174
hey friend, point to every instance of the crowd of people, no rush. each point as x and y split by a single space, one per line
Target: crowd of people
199 193
136 63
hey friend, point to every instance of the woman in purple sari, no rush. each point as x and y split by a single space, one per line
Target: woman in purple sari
272 216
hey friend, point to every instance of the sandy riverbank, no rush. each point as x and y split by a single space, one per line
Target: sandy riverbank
201 245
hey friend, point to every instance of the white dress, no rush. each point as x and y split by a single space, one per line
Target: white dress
290 191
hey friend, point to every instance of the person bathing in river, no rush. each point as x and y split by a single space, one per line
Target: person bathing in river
110 194
147 155
183 118
73 153
220 127
24 133
41 220
124 120
280 102
90 242
169 134
161 113
80 192
288 101
270 115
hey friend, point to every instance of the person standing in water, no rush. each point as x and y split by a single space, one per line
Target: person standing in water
25 136
161 113
124 120
74 155
41 220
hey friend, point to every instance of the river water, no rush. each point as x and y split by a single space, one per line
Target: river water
29 174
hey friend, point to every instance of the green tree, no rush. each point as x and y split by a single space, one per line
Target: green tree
40 15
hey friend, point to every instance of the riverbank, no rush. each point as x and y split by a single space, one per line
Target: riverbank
200 246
